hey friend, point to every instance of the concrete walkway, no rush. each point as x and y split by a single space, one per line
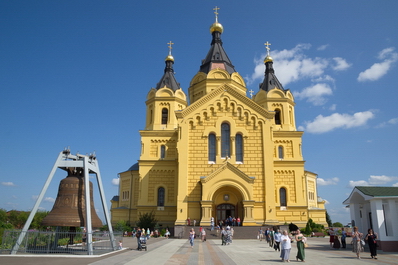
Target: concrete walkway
178 251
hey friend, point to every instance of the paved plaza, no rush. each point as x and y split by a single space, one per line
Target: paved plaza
178 251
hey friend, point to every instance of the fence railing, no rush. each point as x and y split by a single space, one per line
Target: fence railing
55 242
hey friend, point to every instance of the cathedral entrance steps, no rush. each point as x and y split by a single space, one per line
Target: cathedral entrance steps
240 232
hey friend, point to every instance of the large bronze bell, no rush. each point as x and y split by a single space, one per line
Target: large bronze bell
70 206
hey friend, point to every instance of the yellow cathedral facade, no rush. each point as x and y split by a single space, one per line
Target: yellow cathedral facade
219 152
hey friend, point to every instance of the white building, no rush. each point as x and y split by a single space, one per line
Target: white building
376 208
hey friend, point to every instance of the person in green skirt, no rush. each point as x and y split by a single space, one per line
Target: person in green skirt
300 246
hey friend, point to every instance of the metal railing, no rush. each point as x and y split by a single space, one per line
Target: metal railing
55 242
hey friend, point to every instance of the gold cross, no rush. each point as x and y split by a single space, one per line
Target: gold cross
251 93
268 48
170 43
215 12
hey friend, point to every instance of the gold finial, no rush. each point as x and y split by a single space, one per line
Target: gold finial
268 58
170 57
216 26
215 12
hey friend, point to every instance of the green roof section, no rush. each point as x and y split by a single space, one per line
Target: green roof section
378 191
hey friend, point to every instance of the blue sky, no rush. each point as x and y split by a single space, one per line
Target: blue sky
76 73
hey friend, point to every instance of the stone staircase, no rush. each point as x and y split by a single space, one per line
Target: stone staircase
240 232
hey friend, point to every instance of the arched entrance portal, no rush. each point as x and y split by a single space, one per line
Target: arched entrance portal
225 210
227 201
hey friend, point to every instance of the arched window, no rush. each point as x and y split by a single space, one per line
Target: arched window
280 152
161 196
165 115
239 147
225 140
212 147
278 116
282 196
162 151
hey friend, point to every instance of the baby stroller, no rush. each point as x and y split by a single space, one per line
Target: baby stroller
143 243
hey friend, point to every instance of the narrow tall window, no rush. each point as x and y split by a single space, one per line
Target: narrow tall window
212 147
161 196
162 151
165 115
278 116
282 196
225 140
239 147
280 152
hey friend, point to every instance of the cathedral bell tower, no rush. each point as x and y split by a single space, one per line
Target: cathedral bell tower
165 99
273 97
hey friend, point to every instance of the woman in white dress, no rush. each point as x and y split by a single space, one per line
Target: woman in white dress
286 246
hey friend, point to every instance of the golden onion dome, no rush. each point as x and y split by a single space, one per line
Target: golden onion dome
216 27
169 58
268 59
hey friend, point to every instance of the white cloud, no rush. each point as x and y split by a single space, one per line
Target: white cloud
378 70
385 123
341 64
352 183
374 180
322 47
315 94
324 78
291 65
323 182
323 124
381 180
393 121
9 183
333 107
115 181
49 199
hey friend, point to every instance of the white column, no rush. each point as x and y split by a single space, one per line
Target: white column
378 218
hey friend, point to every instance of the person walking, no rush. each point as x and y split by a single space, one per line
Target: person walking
300 246
203 234
212 223
357 242
343 237
271 238
260 234
277 240
223 236
286 246
191 237
371 238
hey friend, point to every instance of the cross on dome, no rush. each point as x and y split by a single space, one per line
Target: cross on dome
170 43
267 44
216 13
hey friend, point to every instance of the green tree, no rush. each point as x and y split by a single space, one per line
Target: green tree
147 220
3 216
328 220
338 224
308 229
122 226
36 222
